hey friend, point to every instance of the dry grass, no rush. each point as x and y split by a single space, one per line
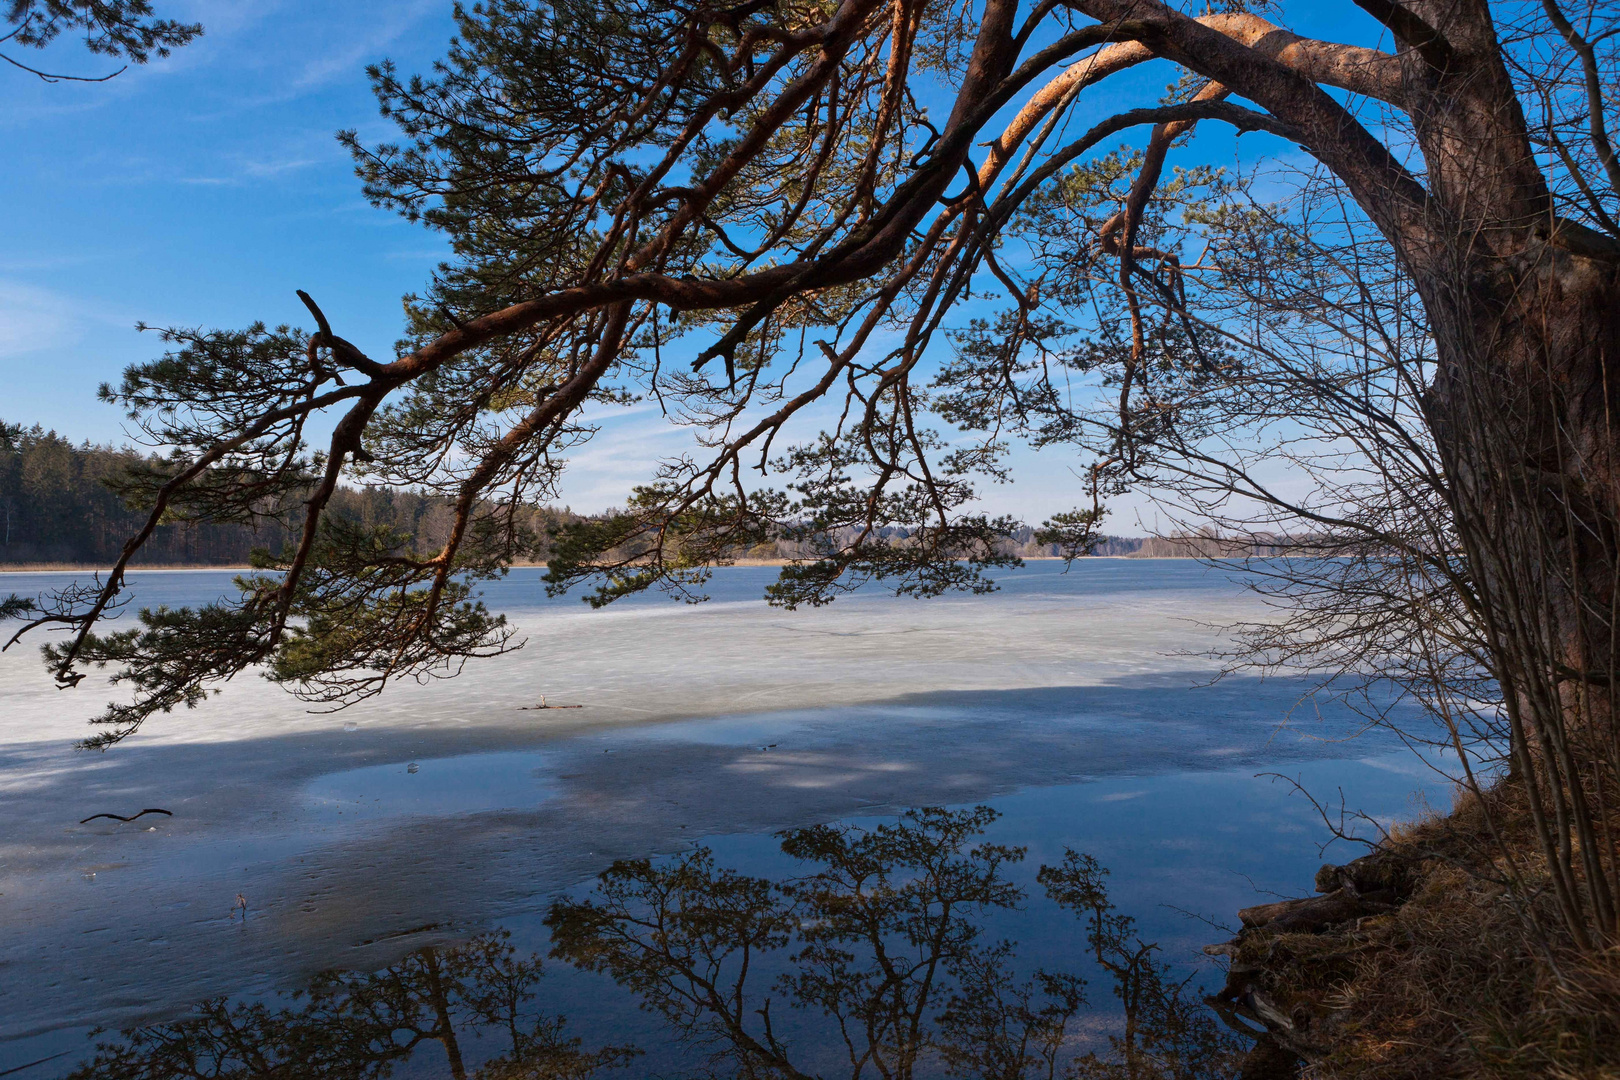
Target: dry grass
1450 984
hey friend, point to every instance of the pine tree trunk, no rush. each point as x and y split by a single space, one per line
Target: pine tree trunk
1524 410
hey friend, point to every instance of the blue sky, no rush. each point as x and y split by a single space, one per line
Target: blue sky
202 190
205 188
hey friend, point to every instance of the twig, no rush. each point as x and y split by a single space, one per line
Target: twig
120 817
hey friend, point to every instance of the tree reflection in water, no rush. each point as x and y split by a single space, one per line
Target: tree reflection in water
349 1026
877 951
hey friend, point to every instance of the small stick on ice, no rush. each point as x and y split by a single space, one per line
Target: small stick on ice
543 705
132 817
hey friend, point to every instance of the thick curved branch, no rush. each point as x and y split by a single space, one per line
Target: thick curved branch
1411 31
1359 70
343 350
1389 194
1147 181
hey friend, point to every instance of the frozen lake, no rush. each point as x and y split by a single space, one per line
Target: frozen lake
1077 705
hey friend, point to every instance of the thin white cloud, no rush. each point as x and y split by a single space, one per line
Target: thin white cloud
32 319
34 262
363 48
248 170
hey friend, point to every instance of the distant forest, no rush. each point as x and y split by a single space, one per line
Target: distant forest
55 508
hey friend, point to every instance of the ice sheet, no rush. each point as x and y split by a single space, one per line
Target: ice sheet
723 718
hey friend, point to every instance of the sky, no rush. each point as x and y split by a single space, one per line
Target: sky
205 188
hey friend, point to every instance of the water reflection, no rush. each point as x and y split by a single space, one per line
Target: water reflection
349 1026
871 961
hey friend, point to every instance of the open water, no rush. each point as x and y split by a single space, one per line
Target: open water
422 874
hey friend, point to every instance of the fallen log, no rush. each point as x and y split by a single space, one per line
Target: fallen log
1313 914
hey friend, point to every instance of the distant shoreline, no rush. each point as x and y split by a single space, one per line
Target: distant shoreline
64 568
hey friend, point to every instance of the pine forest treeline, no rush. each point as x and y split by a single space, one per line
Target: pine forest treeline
56 508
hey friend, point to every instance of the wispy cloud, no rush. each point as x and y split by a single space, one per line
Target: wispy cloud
32 319
419 254
34 263
247 171
299 50
364 47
